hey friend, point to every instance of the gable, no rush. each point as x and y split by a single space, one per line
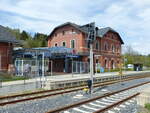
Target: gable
84 29
63 26
104 31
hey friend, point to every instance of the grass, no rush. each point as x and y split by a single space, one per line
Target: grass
147 106
5 77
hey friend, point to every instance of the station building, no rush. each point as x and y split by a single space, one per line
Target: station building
7 42
107 46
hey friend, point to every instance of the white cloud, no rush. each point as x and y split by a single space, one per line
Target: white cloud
131 18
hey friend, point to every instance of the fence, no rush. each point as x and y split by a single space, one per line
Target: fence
34 68
80 67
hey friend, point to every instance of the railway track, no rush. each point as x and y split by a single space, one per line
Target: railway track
12 99
104 103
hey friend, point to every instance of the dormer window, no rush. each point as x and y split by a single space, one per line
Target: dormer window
73 31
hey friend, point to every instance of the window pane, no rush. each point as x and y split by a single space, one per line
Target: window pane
72 44
64 44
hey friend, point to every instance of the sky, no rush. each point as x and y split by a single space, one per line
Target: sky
130 18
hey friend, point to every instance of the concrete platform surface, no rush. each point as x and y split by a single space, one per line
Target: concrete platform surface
70 77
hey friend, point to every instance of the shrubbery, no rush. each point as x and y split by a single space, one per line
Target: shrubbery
8 77
147 106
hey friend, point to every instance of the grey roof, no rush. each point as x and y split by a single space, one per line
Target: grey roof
100 32
6 36
103 31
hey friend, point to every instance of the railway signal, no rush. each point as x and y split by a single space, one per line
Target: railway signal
91 39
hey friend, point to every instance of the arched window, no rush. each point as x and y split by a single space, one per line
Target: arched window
73 44
105 46
64 44
112 64
105 63
113 48
56 45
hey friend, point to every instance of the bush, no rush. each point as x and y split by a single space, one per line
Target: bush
4 75
7 77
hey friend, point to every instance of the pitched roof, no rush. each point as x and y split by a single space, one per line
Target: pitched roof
101 32
84 28
6 36
67 23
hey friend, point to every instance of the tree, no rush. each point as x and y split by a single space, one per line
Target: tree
41 38
24 35
38 40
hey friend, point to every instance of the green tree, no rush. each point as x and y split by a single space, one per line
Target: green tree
41 38
24 35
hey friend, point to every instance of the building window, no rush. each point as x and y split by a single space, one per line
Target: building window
63 32
105 63
72 43
56 44
112 64
113 48
97 45
64 44
55 34
105 46
118 49
72 30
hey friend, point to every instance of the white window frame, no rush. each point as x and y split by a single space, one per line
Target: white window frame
74 43
107 63
113 48
65 44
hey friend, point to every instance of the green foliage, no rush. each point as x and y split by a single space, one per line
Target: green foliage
24 35
38 40
133 57
4 77
147 106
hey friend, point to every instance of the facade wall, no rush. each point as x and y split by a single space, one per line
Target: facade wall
111 51
66 34
107 49
5 56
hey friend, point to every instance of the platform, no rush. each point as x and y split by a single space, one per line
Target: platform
70 80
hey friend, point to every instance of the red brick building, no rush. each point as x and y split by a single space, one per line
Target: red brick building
107 46
7 41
